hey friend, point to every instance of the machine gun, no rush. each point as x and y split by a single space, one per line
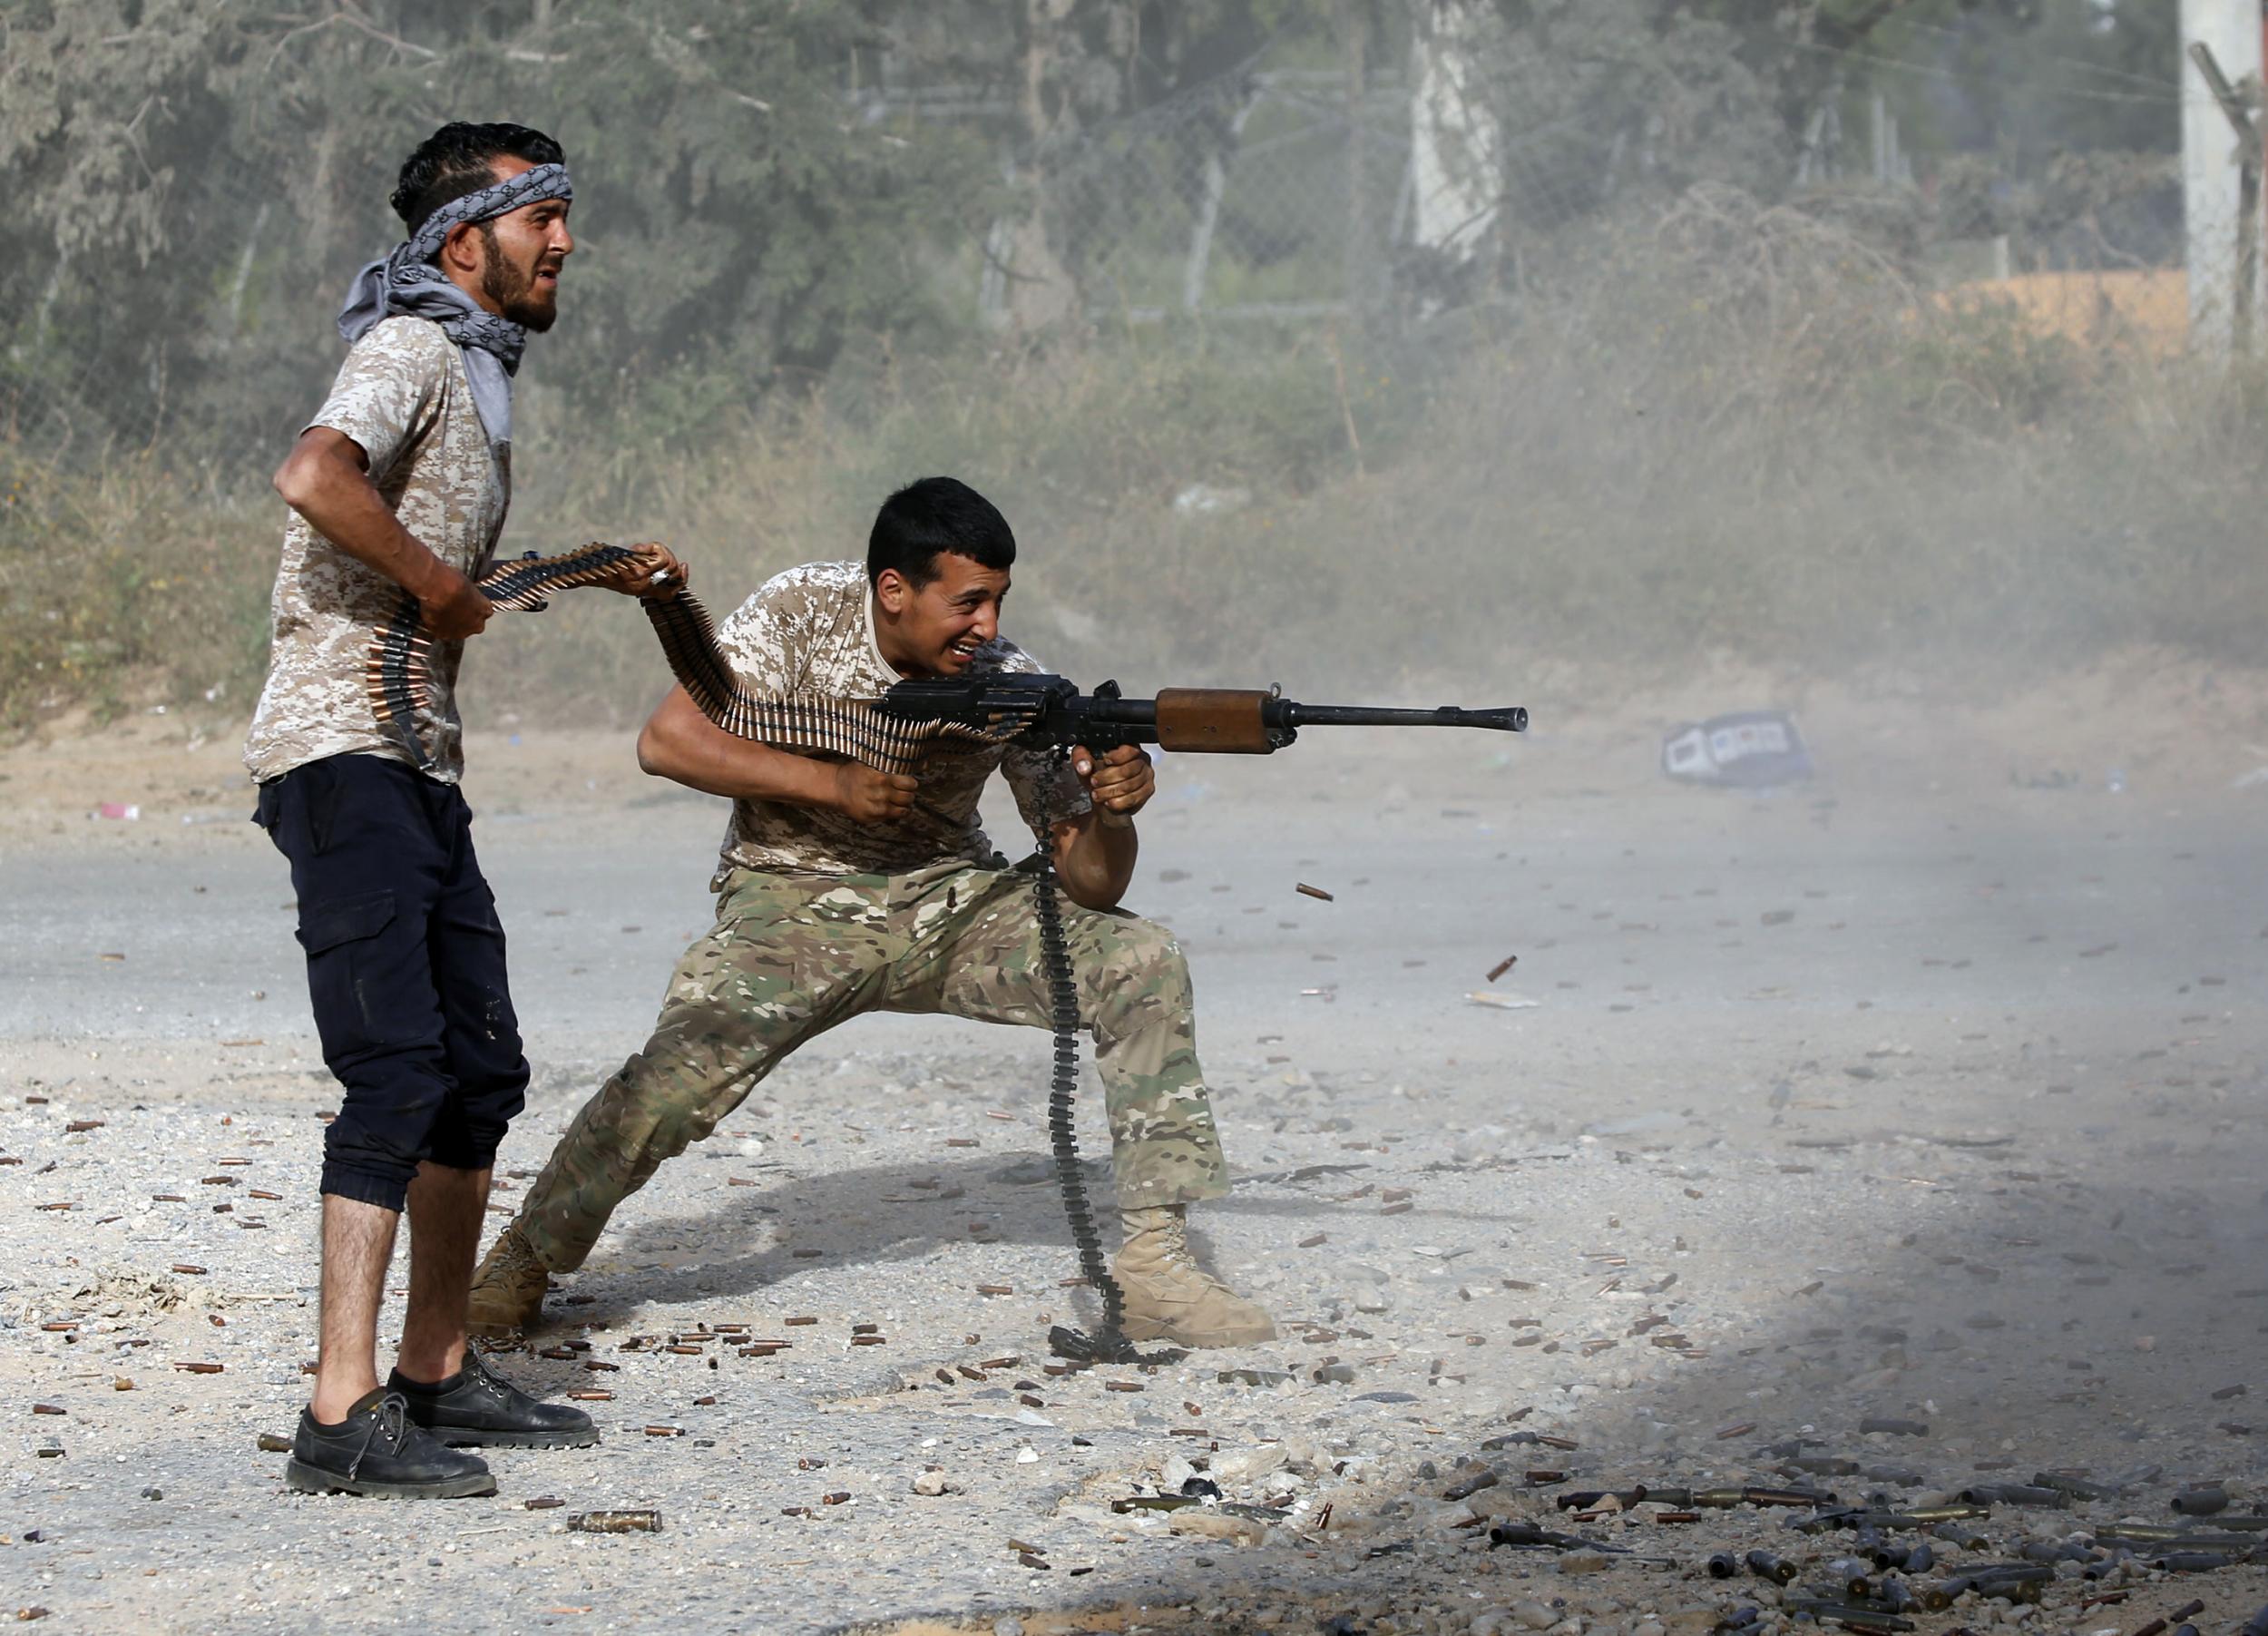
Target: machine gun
1050 713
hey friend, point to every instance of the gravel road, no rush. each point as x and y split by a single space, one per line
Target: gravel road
1869 1098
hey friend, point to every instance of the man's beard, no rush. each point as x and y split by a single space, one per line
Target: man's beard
513 289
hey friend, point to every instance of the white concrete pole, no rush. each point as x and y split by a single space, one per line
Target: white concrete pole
1456 154
2211 175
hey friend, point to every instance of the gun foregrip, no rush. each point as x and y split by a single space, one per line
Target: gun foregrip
1215 720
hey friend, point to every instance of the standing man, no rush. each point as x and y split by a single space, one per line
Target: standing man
844 890
400 485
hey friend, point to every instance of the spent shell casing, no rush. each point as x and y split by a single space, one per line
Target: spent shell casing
1467 1488
2189 1610
615 1522
1843 1612
1786 1496
2139 1533
1920 1559
1766 1565
2078 1488
1718 1499
1891 1556
1723 1564
1960 1534
1851 1576
1677 1499
2200 1502
2196 1562
2014 1494
2157 1627
2257 1625
1950 1514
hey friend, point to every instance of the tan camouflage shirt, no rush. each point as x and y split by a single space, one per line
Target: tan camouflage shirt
403 396
811 630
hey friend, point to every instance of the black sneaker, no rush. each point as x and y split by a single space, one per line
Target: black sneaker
378 1450
477 1406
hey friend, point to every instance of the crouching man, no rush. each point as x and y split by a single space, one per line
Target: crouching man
846 890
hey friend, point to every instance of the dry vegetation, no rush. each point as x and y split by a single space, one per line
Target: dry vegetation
1727 431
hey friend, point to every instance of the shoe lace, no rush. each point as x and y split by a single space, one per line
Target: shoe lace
1180 1254
389 1423
485 1377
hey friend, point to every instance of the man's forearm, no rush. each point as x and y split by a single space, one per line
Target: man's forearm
684 746
1096 857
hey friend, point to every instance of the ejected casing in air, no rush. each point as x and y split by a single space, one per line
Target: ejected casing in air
2014 1494
2200 1502
1765 1564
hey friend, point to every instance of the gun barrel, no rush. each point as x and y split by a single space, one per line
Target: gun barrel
1509 718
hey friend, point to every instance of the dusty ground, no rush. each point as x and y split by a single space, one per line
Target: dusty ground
1929 1090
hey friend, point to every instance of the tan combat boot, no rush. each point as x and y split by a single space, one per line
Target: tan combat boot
1169 1298
507 1290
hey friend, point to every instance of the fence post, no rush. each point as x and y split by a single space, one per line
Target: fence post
1355 24
1215 183
2220 179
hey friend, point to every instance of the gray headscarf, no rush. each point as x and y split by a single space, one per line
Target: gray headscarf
409 282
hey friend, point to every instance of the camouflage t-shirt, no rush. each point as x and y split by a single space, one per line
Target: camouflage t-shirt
403 396
810 631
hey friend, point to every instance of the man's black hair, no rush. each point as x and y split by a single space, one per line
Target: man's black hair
933 515
460 159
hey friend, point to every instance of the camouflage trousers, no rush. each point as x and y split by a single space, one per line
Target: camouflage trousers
792 955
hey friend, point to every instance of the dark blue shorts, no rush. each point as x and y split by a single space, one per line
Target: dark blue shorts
405 967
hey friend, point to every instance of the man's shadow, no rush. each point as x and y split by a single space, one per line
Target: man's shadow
897 1212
